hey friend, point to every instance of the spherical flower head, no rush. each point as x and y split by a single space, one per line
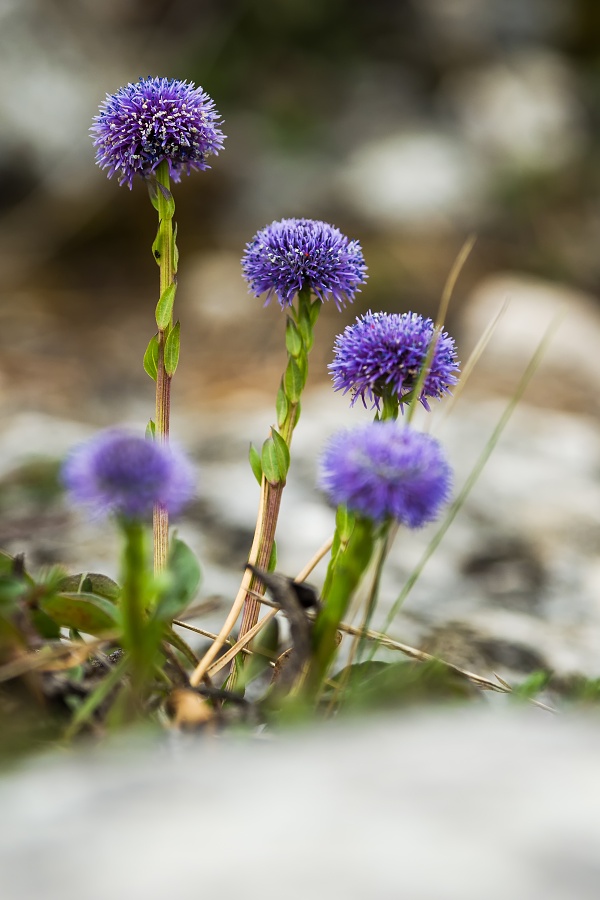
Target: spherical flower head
383 471
383 354
121 473
152 120
293 254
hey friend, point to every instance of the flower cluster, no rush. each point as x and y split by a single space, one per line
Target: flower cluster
152 120
383 471
121 473
384 353
293 254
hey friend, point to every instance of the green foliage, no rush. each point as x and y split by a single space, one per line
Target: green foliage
172 349
179 584
87 613
294 380
255 463
375 685
91 583
164 307
151 358
282 406
275 458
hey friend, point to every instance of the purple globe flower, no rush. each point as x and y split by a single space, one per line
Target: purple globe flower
384 471
292 254
152 120
384 353
121 473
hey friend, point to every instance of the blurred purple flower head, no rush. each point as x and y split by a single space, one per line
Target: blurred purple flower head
152 120
122 473
385 352
292 254
384 471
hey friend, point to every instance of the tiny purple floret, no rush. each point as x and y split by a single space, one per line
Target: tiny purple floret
293 254
152 120
120 473
384 471
383 353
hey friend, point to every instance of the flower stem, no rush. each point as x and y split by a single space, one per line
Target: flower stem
133 606
299 341
350 556
165 253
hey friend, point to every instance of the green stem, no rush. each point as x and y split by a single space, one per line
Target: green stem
345 571
386 539
133 606
167 261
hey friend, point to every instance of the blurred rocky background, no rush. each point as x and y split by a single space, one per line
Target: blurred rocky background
410 124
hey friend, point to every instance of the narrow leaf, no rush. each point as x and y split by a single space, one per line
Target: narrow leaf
255 465
281 405
175 249
172 349
293 338
275 458
151 430
152 191
293 381
151 358
164 307
157 247
166 202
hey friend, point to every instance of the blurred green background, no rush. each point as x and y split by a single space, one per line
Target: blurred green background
407 123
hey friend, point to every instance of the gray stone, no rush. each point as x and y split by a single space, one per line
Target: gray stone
459 805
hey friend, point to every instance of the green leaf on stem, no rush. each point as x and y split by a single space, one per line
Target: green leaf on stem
281 405
255 464
157 247
179 583
294 380
293 338
153 191
85 612
175 249
164 307
151 358
314 311
275 458
273 558
172 349
306 332
151 430
166 202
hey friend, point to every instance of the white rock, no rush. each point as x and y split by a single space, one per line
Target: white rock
569 374
438 806
522 112
422 177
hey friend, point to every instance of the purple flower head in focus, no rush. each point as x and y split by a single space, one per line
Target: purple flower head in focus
293 254
383 353
384 471
152 120
124 474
